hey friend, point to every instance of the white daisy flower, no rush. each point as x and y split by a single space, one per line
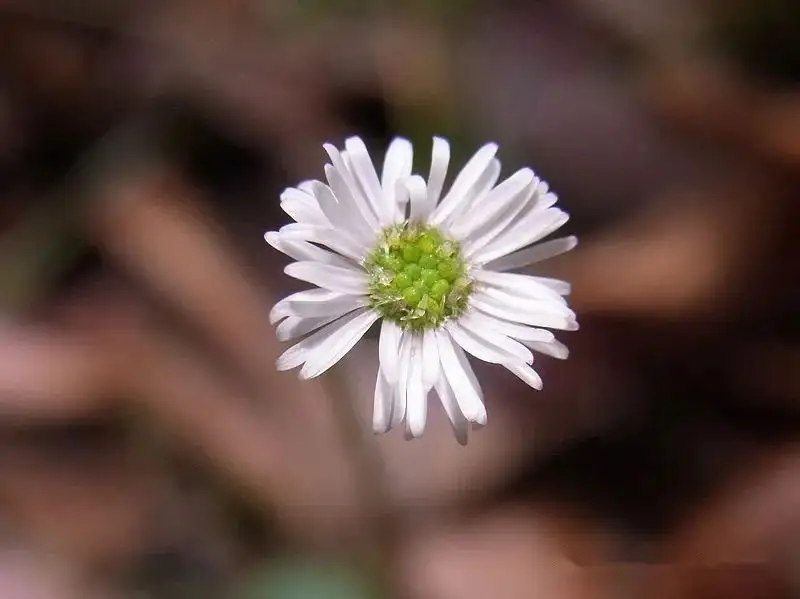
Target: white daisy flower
435 270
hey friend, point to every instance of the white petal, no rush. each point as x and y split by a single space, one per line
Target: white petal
461 378
417 395
396 166
440 158
534 254
307 188
518 299
314 303
389 350
279 311
341 304
464 361
530 316
297 354
418 195
453 410
556 285
494 349
526 373
524 232
539 200
517 331
382 407
554 348
356 216
476 348
401 197
401 386
365 174
300 352
430 360
487 231
301 194
516 284
375 202
324 355
296 326
469 175
275 240
498 341
336 240
404 366
476 194
329 204
335 278
294 231
496 203
341 243
364 202
305 213
302 250
343 216
355 202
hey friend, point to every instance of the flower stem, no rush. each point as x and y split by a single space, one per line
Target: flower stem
378 540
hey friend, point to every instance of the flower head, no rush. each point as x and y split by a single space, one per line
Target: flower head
436 270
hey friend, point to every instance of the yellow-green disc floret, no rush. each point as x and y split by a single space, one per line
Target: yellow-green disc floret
418 278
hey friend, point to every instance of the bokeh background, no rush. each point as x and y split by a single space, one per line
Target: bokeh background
148 447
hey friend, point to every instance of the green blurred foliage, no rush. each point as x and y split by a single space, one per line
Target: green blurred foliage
312 10
308 579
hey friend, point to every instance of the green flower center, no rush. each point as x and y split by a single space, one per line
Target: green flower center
418 277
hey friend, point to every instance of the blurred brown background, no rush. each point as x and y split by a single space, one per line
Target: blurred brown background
148 447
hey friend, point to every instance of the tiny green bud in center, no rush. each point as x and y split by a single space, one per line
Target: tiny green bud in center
418 278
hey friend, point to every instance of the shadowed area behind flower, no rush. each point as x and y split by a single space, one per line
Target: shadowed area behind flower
148 445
